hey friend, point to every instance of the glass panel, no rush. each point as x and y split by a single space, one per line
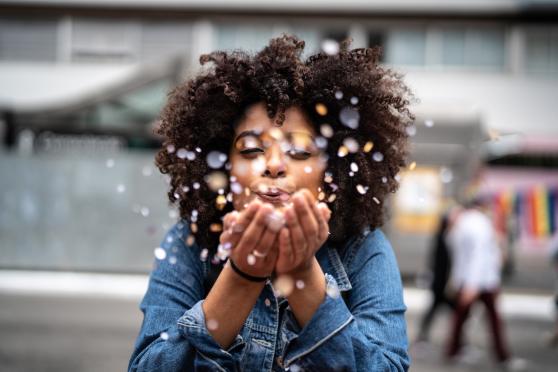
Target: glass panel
164 39
102 40
453 47
485 48
406 47
28 40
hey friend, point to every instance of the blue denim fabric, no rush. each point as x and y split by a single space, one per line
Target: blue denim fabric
366 333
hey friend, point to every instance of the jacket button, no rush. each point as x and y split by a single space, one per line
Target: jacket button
280 361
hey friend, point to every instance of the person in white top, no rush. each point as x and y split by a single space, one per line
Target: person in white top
477 262
553 253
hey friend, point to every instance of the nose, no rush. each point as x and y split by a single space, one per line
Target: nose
275 165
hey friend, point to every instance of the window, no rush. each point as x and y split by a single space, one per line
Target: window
160 40
475 47
405 47
541 48
104 40
28 40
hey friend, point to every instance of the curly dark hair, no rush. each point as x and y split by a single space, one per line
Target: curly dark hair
201 115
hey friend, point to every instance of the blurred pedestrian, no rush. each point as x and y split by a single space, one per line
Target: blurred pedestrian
440 266
554 260
476 274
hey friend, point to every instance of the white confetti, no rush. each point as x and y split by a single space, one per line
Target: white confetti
120 188
160 253
350 117
251 259
326 130
378 156
212 324
330 47
216 159
110 163
339 95
354 167
361 189
164 336
354 100
351 144
446 175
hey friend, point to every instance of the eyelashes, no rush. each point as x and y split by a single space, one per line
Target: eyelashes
295 154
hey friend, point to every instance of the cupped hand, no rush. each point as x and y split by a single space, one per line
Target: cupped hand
250 238
305 232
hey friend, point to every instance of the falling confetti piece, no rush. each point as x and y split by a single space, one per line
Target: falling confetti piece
378 156
216 180
216 159
330 47
251 259
446 175
321 109
194 227
350 117
283 285
384 179
331 198
326 130
339 95
429 123
190 240
212 324
354 167
110 163
351 144
203 254
215 227
160 253
411 130
413 165
342 151
164 336
354 100
120 188
171 149
308 169
300 284
368 146
181 153
376 200
221 202
361 189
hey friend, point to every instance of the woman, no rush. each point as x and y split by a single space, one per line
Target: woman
252 144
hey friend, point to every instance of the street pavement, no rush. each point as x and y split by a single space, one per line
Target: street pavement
80 329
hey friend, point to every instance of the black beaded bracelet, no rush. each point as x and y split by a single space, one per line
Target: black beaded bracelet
247 276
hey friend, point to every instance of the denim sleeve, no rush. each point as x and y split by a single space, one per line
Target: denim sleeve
367 335
173 334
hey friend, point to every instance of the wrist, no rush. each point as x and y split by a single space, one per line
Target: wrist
240 281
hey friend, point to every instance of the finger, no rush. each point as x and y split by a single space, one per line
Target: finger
296 234
239 220
323 227
285 258
306 218
229 219
254 231
246 216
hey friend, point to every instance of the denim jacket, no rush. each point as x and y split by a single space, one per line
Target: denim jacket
364 330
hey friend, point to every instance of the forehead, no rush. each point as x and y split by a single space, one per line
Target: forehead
256 118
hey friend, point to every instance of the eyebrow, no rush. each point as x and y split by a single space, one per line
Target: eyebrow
245 134
255 133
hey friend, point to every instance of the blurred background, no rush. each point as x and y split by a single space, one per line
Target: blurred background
83 207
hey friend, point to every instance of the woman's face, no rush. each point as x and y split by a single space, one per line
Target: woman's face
270 163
